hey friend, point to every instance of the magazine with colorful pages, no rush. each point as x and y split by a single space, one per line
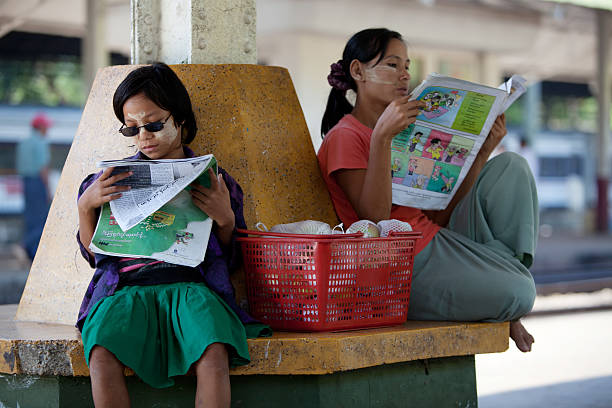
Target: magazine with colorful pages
430 158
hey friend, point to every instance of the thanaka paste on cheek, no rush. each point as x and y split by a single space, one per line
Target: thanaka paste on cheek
168 134
376 74
165 142
137 117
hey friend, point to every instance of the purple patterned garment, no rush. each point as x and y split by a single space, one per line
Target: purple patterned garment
218 261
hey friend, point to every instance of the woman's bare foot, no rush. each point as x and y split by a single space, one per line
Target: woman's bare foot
521 336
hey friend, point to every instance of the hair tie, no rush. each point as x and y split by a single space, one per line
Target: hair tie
337 78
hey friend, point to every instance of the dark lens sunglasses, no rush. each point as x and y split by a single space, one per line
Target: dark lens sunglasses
149 127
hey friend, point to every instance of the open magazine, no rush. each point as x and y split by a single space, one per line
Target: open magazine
430 158
156 218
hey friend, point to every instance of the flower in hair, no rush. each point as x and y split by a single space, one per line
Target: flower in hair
337 78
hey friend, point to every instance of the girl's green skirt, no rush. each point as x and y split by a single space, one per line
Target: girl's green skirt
159 331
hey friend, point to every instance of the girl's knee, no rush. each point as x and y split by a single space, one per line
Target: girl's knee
214 357
216 351
101 360
102 355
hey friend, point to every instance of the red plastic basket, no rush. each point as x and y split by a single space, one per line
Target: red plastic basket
328 282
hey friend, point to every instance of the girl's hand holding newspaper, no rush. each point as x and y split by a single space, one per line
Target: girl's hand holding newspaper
215 202
103 190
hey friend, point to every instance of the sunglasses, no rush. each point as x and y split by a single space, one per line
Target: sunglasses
149 127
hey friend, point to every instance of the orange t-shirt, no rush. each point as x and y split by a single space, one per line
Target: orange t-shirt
347 146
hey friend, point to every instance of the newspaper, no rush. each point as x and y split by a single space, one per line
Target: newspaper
156 218
430 159
153 184
514 87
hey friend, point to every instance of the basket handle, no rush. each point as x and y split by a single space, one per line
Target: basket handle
405 234
287 235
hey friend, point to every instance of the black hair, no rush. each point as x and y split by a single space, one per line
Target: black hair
162 86
363 46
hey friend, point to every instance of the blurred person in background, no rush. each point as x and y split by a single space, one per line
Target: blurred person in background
33 157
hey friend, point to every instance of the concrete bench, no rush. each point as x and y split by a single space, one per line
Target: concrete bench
405 365
249 116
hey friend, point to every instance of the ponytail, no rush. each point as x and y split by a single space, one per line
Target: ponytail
337 107
363 46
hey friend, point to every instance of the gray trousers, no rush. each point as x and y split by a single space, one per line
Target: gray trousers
477 267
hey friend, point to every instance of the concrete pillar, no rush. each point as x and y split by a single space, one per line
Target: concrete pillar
430 63
94 50
603 121
489 72
193 31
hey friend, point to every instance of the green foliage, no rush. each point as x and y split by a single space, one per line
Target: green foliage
50 83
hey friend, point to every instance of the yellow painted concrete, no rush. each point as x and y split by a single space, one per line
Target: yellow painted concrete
9 363
248 116
54 349
324 353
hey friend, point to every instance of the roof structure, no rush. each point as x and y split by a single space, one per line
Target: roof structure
596 4
541 38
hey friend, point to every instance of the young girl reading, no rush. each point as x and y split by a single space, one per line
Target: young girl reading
472 263
157 318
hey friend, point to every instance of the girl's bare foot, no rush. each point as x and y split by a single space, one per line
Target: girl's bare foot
521 336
